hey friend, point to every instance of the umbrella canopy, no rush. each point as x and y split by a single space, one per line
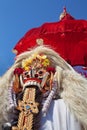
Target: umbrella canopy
68 37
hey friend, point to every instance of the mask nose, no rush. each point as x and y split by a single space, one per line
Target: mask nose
33 73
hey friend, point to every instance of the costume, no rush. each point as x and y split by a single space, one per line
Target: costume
41 90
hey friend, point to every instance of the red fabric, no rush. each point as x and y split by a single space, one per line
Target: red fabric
67 37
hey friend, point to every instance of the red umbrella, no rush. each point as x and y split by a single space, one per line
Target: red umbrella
68 37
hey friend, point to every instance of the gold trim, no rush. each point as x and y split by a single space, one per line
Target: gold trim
28 108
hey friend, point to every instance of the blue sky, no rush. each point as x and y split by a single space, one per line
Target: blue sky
19 16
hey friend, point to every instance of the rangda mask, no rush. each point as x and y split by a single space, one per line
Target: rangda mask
37 71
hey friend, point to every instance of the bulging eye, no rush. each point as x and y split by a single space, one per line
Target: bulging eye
26 73
27 76
36 75
40 72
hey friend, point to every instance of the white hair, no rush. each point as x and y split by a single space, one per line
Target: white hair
72 85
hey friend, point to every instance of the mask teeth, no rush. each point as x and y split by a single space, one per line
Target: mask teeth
29 83
44 79
38 85
34 83
21 81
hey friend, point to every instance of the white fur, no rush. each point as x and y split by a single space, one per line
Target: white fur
73 86
75 94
